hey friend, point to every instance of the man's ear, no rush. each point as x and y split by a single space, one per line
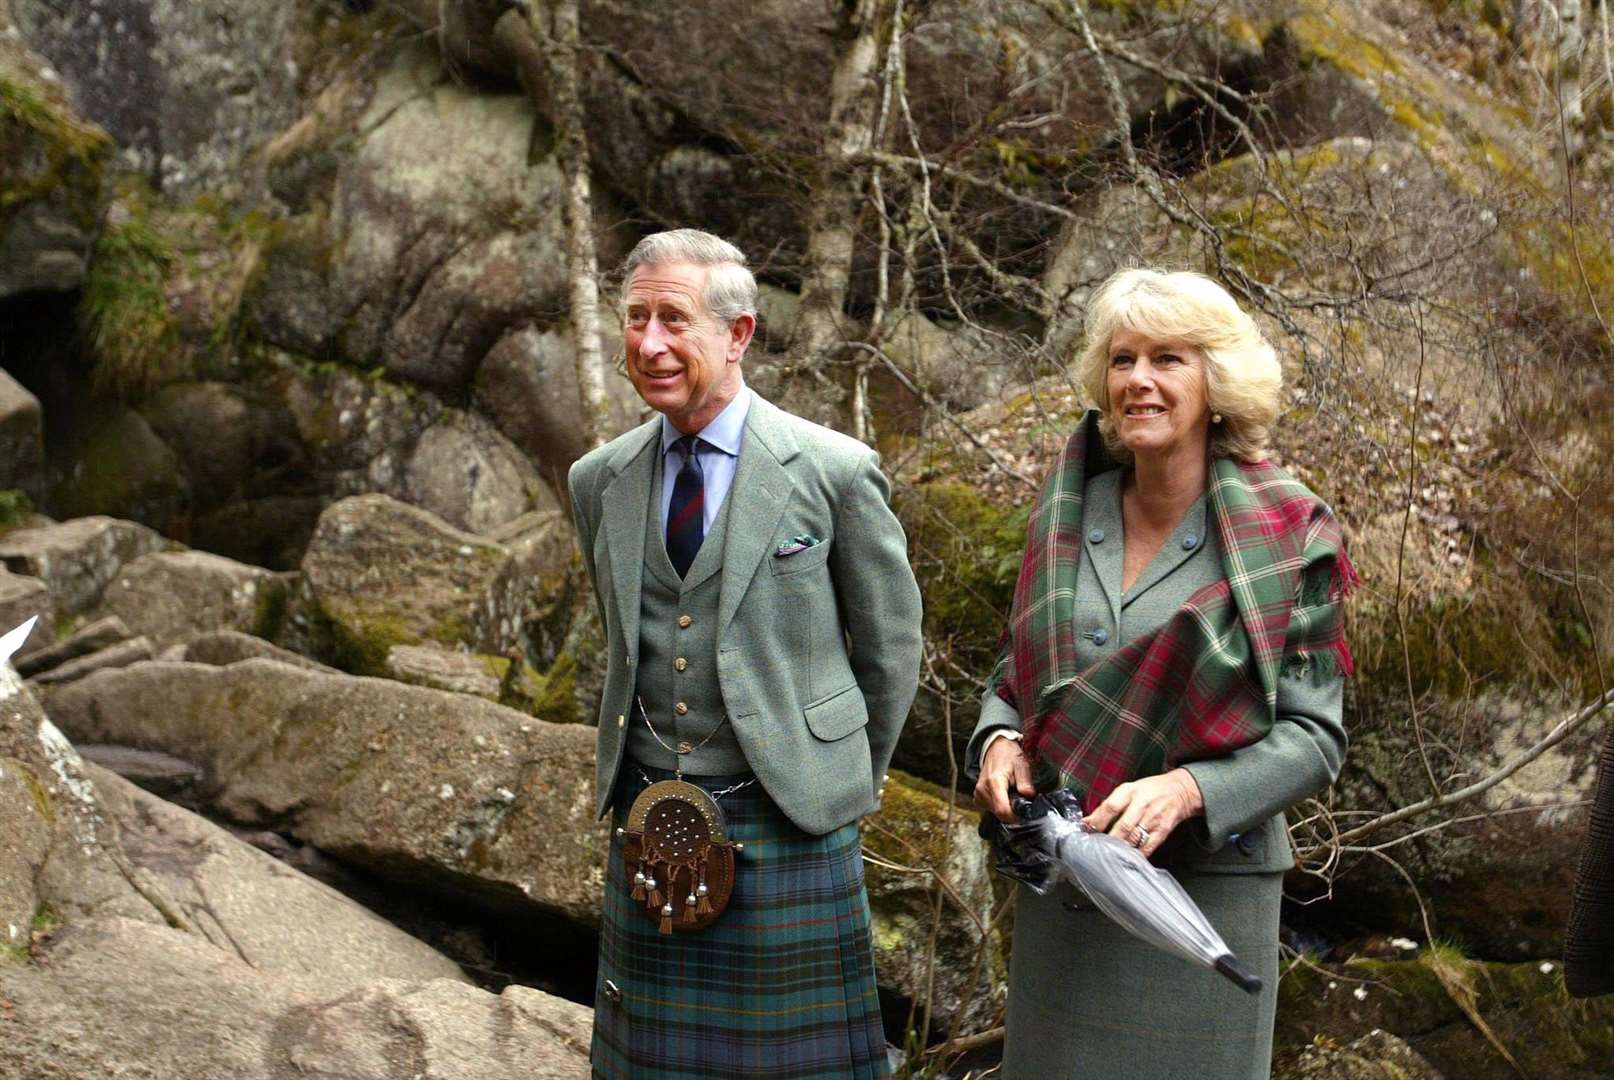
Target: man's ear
740 331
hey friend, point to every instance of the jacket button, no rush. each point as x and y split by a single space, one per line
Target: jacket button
680 664
684 621
1100 636
1190 542
680 708
1096 536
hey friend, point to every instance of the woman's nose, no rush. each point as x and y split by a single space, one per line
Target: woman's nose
1142 373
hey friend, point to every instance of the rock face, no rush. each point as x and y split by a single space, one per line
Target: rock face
22 438
413 784
442 251
1417 1018
104 888
915 828
169 596
53 165
23 597
528 386
190 88
383 573
76 1016
471 476
77 559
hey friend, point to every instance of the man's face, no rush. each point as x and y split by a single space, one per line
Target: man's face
681 360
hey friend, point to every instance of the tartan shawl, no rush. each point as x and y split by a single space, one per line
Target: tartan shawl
1203 684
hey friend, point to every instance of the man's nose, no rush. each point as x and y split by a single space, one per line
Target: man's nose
654 340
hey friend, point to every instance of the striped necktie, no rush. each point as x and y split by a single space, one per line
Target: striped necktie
686 516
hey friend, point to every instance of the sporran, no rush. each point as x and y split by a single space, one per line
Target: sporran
678 855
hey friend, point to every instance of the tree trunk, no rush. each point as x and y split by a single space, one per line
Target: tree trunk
833 204
546 52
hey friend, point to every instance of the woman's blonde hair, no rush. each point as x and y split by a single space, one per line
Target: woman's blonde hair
1242 375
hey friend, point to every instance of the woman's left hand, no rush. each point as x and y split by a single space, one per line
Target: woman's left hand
1158 803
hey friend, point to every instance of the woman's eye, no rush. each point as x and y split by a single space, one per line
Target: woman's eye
1168 358
1120 360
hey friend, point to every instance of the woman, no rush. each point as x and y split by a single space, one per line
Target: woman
1175 655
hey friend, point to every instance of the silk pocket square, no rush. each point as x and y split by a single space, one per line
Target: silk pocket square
795 544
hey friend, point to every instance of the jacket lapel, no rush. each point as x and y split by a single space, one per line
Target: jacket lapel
758 500
625 508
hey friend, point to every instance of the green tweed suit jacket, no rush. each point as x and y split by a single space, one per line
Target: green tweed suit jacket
817 651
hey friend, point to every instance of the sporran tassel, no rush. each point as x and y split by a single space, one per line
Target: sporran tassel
638 884
666 918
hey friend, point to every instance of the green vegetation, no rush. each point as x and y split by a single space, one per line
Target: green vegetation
15 508
74 153
966 554
125 313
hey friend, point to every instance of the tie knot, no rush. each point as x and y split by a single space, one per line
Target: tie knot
687 445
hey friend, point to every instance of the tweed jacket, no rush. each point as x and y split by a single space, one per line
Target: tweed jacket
817 651
1589 949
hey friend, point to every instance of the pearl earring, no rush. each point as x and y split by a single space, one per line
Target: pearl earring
1216 418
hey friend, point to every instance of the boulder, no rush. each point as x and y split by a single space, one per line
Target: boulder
76 559
205 1013
22 436
124 469
359 431
168 596
383 573
422 787
187 90
471 476
443 669
87 639
21 598
527 385
1421 1017
1378 1055
230 444
923 835
222 647
441 252
122 654
544 547
246 902
54 164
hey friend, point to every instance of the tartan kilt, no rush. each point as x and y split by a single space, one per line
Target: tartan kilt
782 985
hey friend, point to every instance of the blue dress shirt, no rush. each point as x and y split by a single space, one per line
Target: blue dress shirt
719 457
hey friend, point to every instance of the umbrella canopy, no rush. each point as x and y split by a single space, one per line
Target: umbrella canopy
1053 844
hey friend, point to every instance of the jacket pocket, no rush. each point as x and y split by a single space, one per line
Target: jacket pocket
802 561
837 715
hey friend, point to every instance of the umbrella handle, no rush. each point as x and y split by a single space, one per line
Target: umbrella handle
1242 977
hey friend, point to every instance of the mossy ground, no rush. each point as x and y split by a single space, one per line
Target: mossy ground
16 508
1432 1001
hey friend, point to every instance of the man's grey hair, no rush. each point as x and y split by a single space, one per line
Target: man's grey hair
731 290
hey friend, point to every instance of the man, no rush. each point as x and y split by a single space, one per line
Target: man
763 632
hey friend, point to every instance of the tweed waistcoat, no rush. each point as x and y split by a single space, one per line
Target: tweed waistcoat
678 662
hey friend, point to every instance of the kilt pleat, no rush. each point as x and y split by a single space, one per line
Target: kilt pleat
781 987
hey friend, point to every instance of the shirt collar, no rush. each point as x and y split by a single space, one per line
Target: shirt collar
723 433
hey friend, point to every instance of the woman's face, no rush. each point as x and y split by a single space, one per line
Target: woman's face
1159 403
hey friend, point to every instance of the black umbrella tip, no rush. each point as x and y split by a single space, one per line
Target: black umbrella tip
1242 977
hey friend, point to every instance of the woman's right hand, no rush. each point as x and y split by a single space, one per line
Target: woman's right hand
1004 763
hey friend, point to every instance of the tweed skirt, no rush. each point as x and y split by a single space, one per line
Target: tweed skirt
782 985
1087 999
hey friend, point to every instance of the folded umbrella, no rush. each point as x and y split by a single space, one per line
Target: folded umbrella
1051 843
